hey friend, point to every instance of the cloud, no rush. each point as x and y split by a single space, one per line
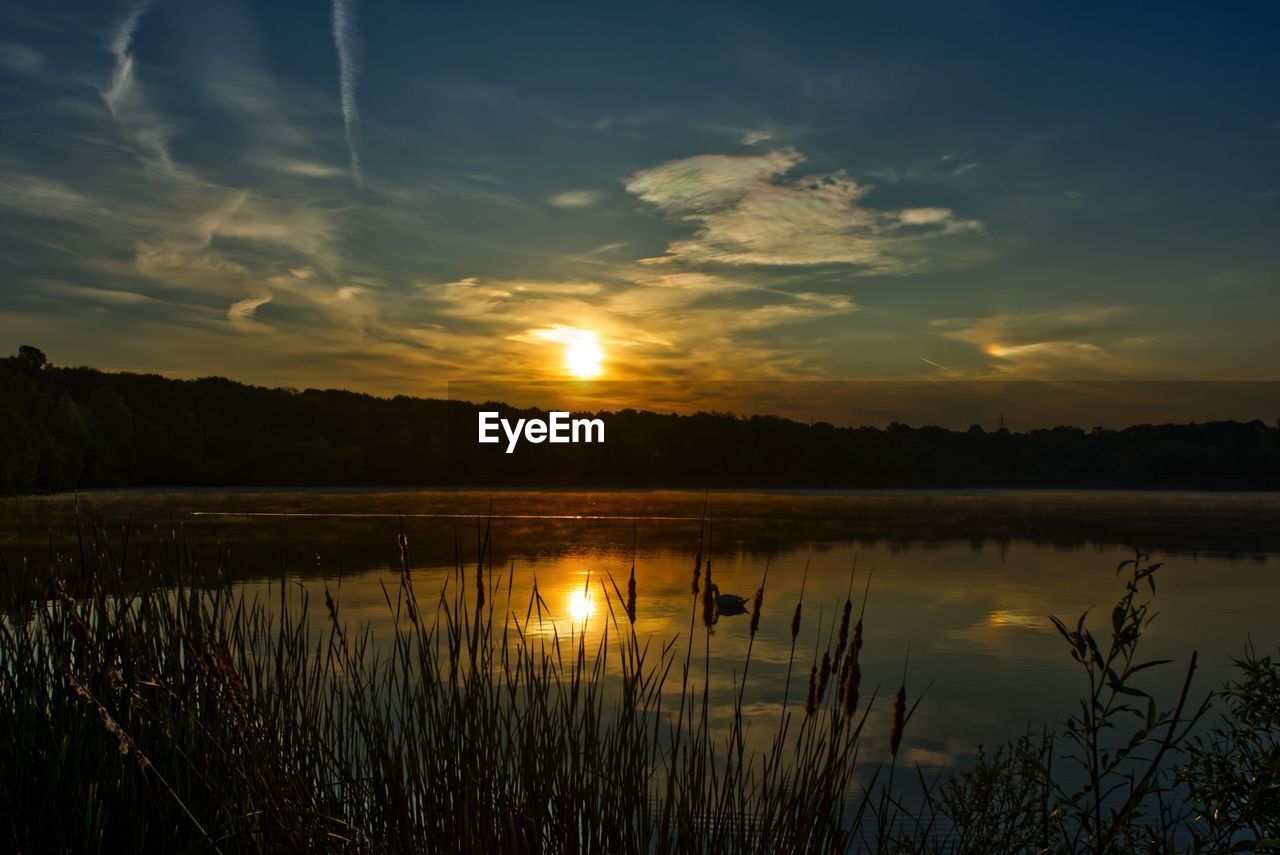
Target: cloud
242 313
924 216
576 199
756 137
99 295
1084 340
20 58
745 212
42 197
800 307
346 37
125 97
649 323
303 167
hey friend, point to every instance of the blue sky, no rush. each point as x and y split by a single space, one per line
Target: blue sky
390 196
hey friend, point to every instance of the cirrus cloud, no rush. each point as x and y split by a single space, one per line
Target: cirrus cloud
1083 341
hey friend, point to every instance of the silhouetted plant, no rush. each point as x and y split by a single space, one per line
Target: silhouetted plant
1233 773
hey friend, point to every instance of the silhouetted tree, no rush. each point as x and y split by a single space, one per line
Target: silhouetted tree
68 427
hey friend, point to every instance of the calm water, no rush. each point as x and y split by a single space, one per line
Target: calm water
967 579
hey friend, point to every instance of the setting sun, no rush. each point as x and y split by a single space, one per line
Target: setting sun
582 355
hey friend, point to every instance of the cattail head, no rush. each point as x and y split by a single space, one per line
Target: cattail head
852 677
843 638
755 610
795 623
811 705
899 718
850 700
631 596
825 674
480 586
857 636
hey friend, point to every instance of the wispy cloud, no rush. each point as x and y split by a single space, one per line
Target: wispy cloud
242 313
109 296
1081 341
746 212
125 98
650 324
346 37
576 199
303 167
20 58
42 197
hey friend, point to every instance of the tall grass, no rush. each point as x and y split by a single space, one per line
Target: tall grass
156 714
143 712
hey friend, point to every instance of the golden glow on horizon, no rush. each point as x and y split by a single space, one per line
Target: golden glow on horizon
583 355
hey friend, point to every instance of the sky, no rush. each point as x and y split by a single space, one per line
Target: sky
390 197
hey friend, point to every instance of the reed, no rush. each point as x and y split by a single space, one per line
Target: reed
167 715
145 712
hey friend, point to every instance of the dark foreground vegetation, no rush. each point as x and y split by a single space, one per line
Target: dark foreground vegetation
62 428
141 713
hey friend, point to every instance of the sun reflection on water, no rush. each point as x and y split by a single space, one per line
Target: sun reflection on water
580 605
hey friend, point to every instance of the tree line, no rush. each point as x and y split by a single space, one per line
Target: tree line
63 428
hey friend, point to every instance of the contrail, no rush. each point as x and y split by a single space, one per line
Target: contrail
346 37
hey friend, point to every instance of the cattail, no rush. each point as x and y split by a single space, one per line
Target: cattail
852 677
795 623
811 705
857 637
480 586
631 595
899 716
843 638
825 674
697 572
755 610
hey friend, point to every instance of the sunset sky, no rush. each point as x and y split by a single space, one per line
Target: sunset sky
389 196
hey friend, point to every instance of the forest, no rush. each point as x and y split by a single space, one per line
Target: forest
67 428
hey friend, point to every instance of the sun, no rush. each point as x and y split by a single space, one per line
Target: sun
583 355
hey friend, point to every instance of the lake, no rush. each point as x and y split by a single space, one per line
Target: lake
965 580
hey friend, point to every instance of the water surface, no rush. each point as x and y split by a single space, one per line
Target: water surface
966 580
